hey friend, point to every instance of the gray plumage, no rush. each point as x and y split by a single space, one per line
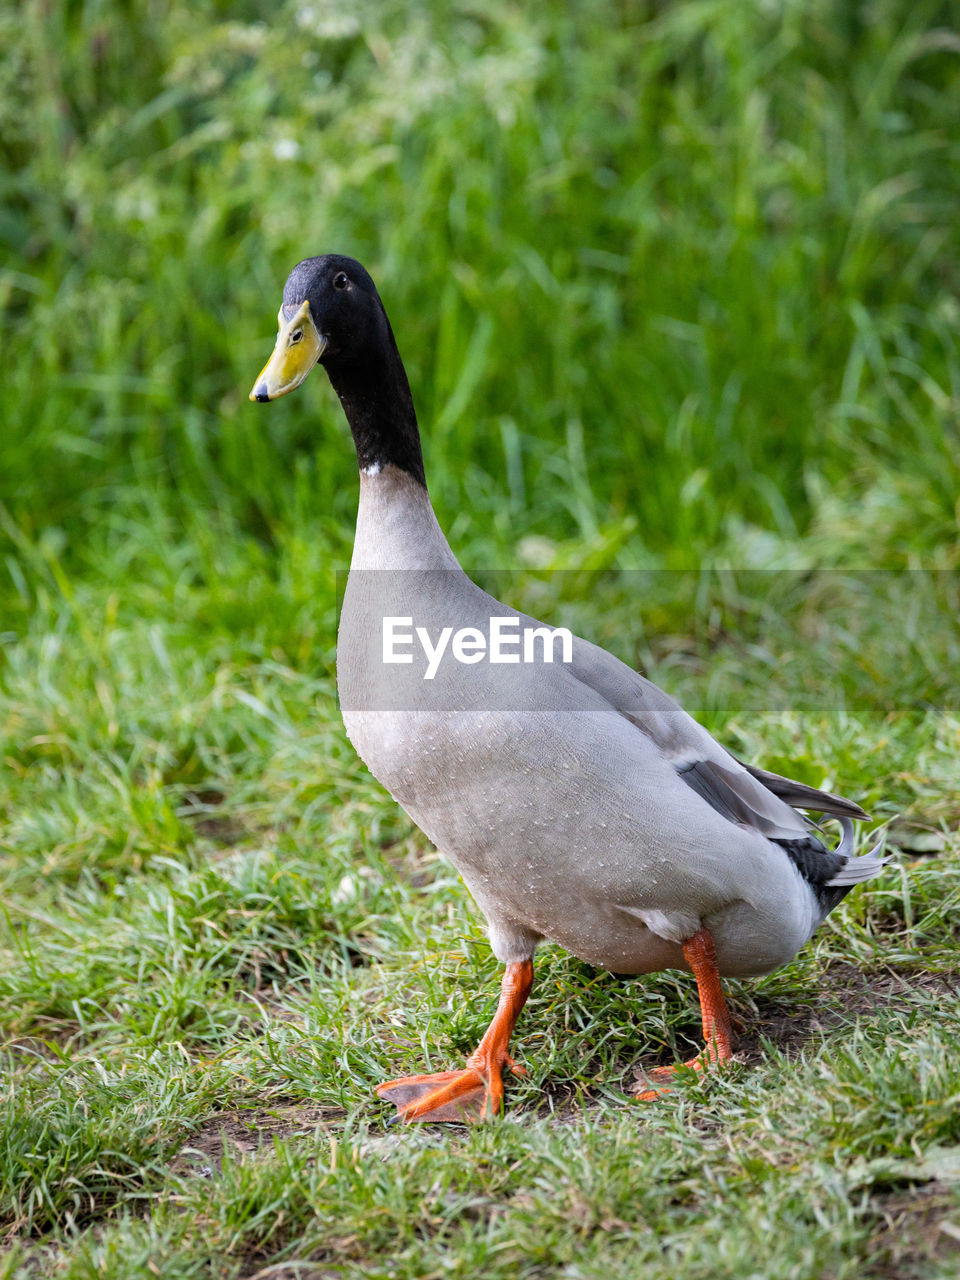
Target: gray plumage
580 803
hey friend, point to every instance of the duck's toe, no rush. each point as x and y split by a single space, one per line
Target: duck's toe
659 1080
462 1097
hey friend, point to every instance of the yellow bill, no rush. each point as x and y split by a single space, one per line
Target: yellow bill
299 347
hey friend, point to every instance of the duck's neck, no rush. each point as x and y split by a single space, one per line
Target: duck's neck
375 395
396 524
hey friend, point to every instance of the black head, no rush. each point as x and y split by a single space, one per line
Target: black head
332 315
344 305
331 312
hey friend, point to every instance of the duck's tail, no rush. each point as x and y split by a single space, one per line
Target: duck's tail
854 870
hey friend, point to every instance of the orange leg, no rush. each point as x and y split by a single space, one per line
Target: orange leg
476 1092
702 959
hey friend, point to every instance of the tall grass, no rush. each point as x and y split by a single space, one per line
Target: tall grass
687 271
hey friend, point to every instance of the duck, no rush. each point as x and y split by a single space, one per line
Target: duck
579 802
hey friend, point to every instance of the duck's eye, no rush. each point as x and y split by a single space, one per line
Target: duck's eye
340 280
296 337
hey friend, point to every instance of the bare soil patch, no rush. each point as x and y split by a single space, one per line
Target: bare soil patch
247 1133
848 994
917 1229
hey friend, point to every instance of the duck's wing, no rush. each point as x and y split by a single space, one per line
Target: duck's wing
799 796
743 794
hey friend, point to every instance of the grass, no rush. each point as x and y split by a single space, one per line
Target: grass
676 286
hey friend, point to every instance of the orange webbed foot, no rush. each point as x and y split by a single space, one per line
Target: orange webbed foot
465 1097
476 1092
661 1080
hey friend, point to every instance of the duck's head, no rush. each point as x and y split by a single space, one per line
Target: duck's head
331 313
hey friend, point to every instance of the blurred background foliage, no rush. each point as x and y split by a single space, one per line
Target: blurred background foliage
679 280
